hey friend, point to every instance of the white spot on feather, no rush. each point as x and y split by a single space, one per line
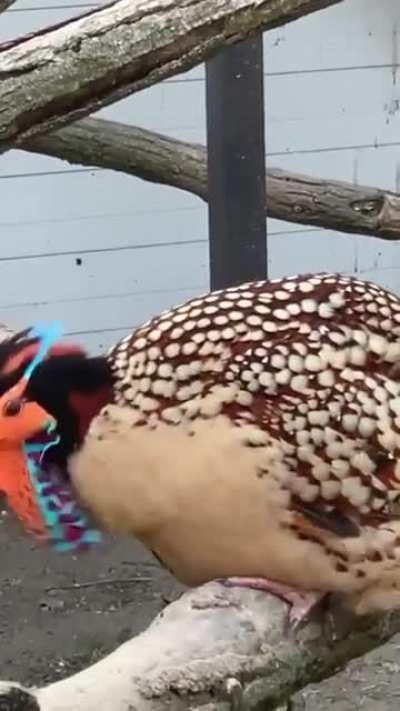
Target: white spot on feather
299 383
308 306
354 491
318 417
326 378
357 355
269 326
254 320
172 350
281 314
305 286
283 377
189 348
163 388
203 323
267 381
228 334
293 309
366 426
340 468
313 363
172 414
325 310
261 309
278 360
337 300
330 489
236 315
296 363
378 344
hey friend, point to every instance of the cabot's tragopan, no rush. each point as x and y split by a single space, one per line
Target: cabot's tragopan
250 435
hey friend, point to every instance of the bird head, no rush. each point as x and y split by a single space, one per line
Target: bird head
21 419
49 392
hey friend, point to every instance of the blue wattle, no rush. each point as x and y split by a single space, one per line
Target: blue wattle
67 525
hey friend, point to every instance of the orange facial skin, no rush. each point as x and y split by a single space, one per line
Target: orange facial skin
19 421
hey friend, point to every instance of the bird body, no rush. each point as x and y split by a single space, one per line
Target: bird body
255 432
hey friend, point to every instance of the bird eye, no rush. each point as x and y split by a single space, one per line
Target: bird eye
13 407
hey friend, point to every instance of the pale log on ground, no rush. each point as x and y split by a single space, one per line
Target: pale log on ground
295 198
214 649
60 74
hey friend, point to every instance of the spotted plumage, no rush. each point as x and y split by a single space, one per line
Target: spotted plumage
264 427
255 432
302 359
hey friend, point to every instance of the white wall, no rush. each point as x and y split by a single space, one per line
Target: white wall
103 251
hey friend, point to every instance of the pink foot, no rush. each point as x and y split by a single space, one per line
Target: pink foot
301 602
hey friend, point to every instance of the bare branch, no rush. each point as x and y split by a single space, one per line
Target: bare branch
333 205
117 146
212 650
5 4
160 159
60 74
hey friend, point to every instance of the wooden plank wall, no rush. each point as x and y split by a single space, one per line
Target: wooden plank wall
104 251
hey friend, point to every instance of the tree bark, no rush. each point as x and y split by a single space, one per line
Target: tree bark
5 4
214 649
60 74
295 198
136 151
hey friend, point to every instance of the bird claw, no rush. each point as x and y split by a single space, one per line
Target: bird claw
301 602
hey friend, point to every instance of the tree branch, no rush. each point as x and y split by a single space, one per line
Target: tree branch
62 73
160 159
213 650
5 4
117 146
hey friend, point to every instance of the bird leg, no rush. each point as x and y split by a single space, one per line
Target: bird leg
301 602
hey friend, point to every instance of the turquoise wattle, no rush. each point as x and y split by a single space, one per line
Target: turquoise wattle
67 526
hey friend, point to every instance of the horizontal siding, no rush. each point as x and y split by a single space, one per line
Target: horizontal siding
104 251
89 211
29 16
98 341
95 274
100 316
323 250
24 5
357 33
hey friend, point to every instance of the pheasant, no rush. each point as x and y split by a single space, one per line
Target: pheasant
251 436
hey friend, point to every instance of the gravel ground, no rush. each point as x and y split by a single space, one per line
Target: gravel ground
58 614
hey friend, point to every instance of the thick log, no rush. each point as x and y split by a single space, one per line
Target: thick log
60 74
296 198
214 649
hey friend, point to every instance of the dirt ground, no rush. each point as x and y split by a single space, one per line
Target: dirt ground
59 613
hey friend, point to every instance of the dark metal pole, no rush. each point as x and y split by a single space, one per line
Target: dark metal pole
236 164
